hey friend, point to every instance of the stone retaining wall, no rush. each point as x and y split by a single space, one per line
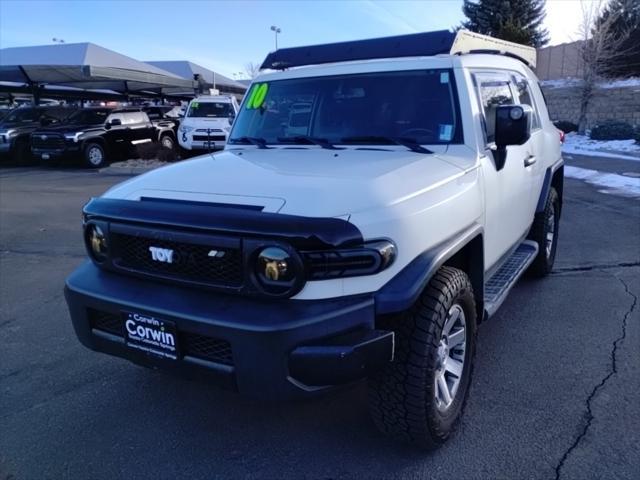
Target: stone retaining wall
621 103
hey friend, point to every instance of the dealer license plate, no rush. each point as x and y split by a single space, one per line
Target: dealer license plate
45 156
151 334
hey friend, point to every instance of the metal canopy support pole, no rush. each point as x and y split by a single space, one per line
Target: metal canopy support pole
33 85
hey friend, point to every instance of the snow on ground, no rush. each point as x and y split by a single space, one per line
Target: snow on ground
560 82
623 82
611 183
583 145
572 82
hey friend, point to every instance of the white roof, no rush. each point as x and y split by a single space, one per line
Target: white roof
468 42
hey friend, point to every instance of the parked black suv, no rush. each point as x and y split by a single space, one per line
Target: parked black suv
17 126
97 135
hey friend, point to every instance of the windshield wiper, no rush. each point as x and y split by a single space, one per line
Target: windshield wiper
257 141
411 143
306 139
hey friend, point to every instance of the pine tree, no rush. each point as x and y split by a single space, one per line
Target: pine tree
625 15
517 21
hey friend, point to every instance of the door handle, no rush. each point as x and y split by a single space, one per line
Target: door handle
530 160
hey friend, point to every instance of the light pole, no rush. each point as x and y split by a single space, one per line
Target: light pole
276 30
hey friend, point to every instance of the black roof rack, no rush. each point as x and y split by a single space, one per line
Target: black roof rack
413 45
423 44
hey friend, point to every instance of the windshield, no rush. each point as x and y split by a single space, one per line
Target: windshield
23 115
370 108
88 117
210 110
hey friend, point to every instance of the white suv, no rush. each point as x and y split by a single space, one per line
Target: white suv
376 201
207 122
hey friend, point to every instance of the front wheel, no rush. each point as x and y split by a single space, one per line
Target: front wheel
94 155
420 396
544 232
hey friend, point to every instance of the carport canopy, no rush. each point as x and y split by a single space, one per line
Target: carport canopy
87 66
209 78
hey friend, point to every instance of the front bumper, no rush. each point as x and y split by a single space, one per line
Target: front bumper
275 350
5 144
54 154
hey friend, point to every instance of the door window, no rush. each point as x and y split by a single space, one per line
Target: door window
132 118
526 98
493 90
115 116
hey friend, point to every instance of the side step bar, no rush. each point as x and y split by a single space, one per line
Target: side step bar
499 285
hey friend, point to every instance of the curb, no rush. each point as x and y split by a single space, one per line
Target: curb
127 171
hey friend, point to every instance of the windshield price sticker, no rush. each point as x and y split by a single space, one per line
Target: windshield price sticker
446 132
257 96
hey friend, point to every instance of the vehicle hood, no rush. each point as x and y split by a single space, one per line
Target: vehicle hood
205 122
18 125
299 181
62 129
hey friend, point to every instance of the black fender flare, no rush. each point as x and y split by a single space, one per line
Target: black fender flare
546 185
166 131
97 139
403 290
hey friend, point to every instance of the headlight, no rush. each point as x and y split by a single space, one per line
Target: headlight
185 128
371 258
277 272
97 242
73 136
11 133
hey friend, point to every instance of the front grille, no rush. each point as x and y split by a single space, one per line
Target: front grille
205 264
47 142
210 138
210 130
191 344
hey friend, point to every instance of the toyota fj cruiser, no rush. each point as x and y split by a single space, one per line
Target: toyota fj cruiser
375 202
96 135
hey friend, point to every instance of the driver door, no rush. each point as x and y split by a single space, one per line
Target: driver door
507 190
117 135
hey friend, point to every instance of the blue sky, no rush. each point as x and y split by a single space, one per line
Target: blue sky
225 35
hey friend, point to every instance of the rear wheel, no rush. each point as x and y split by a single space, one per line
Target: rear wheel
167 142
94 155
544 232
420 396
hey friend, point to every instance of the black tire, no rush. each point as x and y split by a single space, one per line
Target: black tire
402 398
168 142
543 222
94 155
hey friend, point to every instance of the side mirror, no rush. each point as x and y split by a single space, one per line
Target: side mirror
513 127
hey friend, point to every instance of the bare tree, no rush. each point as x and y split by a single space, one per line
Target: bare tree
600 47
252 69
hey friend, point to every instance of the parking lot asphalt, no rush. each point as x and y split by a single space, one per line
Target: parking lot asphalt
554 394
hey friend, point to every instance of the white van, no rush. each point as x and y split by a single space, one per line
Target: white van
207 122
